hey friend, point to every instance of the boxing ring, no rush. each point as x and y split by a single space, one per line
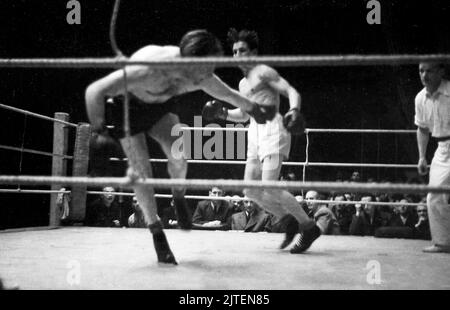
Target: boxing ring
78 257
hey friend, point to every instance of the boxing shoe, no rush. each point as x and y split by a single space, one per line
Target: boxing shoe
305 240
162 248
436 249
184 216
292 226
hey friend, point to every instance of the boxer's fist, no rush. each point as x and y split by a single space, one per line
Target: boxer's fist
262 113
294 122
214 110
101 141
422 166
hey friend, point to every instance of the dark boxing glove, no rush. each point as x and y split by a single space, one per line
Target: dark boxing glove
262 113
214 110
294 122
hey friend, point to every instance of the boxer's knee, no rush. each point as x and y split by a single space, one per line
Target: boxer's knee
253 193
177 168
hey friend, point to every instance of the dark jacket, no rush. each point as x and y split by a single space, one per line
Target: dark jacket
258 220
205 213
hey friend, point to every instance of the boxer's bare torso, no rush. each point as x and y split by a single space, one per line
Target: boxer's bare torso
256 87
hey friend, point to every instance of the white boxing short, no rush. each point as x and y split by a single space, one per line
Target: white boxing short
267 139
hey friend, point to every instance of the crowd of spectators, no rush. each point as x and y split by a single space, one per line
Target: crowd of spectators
359 214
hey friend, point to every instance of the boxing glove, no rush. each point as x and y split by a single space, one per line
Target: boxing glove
214 110
294 122
262 113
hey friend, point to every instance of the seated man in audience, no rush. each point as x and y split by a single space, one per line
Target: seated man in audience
342 212
104 211
252 219
237 204
168 214
213 214
401 224
403 216
321 214
366 219
136 219
422 227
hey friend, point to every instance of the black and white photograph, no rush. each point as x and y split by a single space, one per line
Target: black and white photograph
225 151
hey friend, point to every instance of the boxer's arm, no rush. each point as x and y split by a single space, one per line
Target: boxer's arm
110 85
237 116
219 90
423 136
283 87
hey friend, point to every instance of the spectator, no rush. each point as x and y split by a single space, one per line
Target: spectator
63 203
137 218
252 219
168 214
403 217
236 204
366 218
213 214
323 216
343 213
401 224
104 211
422 227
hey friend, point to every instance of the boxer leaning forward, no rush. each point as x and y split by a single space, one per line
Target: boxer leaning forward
150 91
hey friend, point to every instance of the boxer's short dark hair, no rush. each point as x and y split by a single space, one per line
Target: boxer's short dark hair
248 36
200 43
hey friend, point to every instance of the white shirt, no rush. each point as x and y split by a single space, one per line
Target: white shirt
433 110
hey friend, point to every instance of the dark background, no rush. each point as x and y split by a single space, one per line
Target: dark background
335 97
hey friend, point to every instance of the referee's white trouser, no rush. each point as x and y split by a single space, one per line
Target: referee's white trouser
438 208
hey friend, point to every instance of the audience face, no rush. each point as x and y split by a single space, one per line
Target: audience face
108 197
355 177
402 209
311 195
215 192
249 206
339 206
135 203
236 202
422 212
364 206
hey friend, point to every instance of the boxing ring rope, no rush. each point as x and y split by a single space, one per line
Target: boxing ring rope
203 197
126 182
79 159
7 107
277 61
31 151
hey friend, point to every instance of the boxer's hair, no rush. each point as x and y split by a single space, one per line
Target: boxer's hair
200 43
248 36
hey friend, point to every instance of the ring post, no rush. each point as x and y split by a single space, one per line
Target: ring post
80 168
59 164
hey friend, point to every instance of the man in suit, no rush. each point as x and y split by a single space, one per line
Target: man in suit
252 219
213 214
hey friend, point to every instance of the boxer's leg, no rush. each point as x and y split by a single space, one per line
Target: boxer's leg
176 166
135 148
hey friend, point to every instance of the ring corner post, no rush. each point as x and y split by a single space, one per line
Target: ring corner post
59 163
80 168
